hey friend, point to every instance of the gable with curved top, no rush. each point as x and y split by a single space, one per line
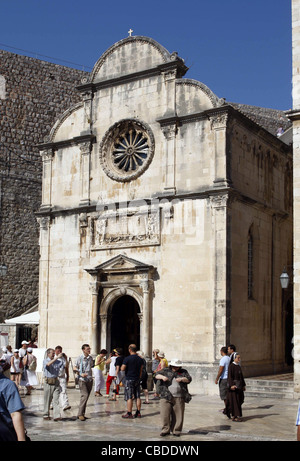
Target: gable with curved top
130 55
193 97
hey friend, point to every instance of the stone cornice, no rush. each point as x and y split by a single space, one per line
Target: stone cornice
179 66
293 114
233 114
232 193
55 145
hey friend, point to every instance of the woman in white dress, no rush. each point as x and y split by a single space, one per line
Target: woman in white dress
15 370
30 380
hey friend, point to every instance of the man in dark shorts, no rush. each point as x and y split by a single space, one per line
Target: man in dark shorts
132 365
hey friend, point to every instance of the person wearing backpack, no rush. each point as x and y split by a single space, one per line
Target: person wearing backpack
30 363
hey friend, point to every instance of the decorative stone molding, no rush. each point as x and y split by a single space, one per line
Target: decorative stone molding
170 131
125 228
44 222
219 121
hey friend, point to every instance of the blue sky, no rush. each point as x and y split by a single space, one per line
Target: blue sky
241 49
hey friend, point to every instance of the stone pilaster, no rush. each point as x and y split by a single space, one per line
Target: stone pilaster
295 117
219 216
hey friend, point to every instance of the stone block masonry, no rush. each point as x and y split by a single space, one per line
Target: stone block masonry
33 94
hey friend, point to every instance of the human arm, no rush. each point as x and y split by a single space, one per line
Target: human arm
221 368
184 377
67 368
53 360
18 423
162 377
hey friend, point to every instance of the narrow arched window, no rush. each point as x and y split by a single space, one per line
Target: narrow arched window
250 265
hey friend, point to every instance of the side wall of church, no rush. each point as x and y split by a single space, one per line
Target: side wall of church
261 212
33 94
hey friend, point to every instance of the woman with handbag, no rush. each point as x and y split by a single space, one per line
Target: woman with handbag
236 388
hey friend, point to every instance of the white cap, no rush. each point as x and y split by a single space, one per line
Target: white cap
25 342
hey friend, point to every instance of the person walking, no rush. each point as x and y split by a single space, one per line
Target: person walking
144 377
63 378
173 397
6 356
222 375
236 388
15 368
98 372
51 369
132 365
231 350
12 427
30 363
111 377
120 375
84 366
155 363
23 349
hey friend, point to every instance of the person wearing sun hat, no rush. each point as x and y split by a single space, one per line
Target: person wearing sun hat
174 395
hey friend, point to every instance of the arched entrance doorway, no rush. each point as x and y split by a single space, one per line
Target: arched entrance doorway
125 323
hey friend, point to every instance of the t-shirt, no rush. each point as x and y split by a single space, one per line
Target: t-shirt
101 365
133 366
224 362
10 400
119 361
112 366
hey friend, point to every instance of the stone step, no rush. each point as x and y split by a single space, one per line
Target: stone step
270 388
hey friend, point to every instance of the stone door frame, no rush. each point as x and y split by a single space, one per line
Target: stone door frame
114 278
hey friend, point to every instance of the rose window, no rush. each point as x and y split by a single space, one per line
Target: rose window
127 150
131 150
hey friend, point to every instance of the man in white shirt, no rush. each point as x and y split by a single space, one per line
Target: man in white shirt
223 374
23 349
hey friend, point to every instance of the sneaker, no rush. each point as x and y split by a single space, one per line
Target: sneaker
128 416
82 418
137 414
67 408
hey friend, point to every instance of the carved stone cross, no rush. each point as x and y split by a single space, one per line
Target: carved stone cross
130 32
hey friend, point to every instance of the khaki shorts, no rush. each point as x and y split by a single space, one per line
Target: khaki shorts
223 388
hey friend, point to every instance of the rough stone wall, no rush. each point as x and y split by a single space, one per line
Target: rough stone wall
33 94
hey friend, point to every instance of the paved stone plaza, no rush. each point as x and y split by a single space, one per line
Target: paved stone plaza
263 420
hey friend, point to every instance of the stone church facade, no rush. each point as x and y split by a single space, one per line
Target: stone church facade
166 219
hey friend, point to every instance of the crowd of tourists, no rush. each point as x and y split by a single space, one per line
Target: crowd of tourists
124 370
169 380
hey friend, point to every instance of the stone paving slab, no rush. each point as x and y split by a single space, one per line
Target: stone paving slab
263 420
